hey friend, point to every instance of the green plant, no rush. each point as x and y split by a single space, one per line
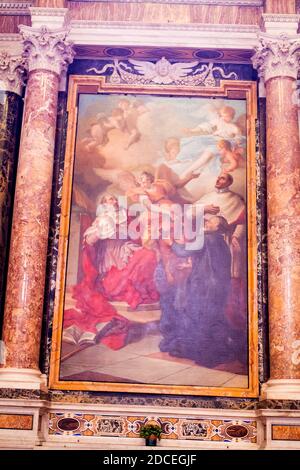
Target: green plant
150 430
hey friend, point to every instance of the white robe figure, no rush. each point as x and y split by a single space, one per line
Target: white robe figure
110 226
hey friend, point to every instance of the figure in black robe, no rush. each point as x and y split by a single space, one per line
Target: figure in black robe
193 322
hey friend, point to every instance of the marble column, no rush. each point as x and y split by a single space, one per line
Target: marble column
48 53
277 62
11 103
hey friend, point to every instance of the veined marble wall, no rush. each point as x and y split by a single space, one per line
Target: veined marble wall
144 12
181 12
164 13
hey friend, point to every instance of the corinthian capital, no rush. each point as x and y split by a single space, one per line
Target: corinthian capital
45 49
277 57
12 72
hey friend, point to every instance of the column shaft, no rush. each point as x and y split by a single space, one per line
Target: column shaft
283 180
26 278
277 61
47 54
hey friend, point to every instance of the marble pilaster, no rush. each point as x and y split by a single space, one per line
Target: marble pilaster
277 62
11 86
47 53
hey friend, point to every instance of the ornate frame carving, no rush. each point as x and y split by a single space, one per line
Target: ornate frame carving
228 89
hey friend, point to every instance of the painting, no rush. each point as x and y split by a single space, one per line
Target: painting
156 281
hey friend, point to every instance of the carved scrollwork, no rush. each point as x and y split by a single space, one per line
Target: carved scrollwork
163 72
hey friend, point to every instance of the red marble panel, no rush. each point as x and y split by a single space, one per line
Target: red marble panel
12 421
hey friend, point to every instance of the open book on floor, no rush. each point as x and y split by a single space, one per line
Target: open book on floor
74 335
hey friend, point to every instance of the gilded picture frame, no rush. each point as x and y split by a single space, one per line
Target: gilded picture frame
245 91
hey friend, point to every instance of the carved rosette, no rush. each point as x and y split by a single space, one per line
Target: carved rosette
12 72
277 57
45 49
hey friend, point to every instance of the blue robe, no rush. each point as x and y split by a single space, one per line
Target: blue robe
193 323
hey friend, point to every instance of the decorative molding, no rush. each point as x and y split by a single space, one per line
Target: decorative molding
277 57
281 389
28 379
8 37
174 428
15 8
44 11
163 72
205 27
103 426
280 17
12 72
45 49
131 33
163 35
275 23
54 18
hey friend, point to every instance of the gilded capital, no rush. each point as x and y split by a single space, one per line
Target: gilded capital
277 56
46 49
12 72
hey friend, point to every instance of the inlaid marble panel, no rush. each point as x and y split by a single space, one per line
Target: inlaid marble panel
80 424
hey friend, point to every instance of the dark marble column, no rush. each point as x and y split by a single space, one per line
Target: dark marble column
11 104
277 61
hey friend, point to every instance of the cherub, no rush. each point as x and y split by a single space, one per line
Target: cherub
131 112
230 156
98 132
221 125
175 168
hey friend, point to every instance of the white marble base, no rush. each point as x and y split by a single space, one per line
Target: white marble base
28 379
281 389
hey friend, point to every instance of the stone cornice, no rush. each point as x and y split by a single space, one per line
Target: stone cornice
163 35
8 37
87 24
44 11
275 23
15 8
280 17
